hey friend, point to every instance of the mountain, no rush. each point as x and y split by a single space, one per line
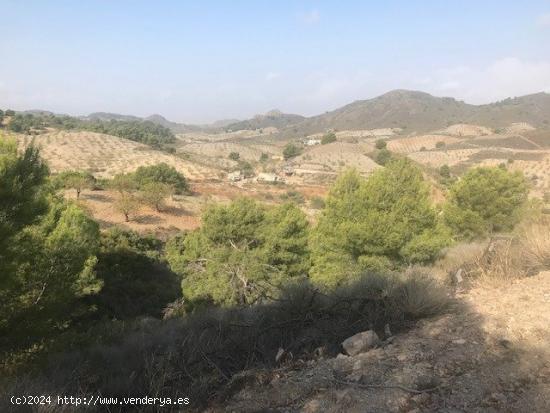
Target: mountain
110 116
421 112
274 118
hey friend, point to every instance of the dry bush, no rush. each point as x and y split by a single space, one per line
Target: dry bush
195 356
499 262
535 247
461 256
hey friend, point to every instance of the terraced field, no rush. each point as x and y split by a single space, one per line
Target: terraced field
334 157
412 144
103 155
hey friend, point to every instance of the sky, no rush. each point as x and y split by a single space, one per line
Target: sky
200 61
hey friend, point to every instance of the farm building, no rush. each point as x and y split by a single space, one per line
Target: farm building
269 177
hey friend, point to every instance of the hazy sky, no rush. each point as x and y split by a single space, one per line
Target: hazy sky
198 61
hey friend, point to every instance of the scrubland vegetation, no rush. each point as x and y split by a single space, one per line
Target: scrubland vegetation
83 309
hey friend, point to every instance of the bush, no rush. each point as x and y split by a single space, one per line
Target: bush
380 144
445 171
293 196
161 173
291 150
242 253
328 138
77 180
383 156
440 145
234 156
135 281
485 200
317 202
376 223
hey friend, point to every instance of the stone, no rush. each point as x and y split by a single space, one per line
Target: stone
361 342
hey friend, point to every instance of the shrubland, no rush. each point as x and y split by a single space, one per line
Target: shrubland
254 278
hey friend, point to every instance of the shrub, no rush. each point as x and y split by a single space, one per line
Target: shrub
535 246
234 156
317 202
244 246
445 171
440 145
380 144
485 200
135 281
376 223
328 138
291 150
293 196
383 156
161 173
76 180
154 194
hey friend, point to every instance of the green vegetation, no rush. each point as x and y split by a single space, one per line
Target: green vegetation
317 202
76 180
440 145
380 144
145 132
264 157
161 173
234 156
291 150
48 251
445 171
134 280
293 196
375 224
383 156
242 253
485 200
328 138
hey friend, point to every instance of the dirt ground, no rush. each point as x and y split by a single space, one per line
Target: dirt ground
490 353
183 212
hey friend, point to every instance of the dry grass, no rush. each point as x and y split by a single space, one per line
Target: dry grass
535 248
197 355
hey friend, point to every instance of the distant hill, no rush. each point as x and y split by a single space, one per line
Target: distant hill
273 118
110 116
421 112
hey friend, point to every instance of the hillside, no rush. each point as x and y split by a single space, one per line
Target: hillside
490 354
273 118
103 155
419 112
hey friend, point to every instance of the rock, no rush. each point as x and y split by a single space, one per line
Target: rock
458 276
361 342
459 341
387 331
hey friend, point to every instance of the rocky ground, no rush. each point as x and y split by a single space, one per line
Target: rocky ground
491 353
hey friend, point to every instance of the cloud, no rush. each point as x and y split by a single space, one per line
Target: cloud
543 20
311 17
506 77
272 76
